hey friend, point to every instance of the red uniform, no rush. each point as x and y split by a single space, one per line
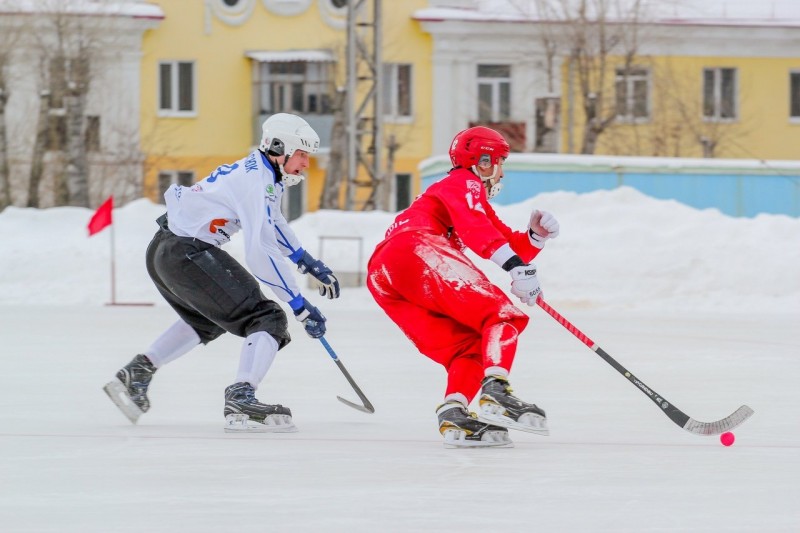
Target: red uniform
421 278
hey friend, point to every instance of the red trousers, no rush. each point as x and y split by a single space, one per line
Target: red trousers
446 306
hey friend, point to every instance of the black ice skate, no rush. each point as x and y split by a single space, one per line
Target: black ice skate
129 390
498 406
244 413
461 429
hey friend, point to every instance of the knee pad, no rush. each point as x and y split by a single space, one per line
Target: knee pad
269 317
499 345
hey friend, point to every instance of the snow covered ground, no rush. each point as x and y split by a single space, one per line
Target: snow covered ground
703 308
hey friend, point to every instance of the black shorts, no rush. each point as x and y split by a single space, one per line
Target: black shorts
210 290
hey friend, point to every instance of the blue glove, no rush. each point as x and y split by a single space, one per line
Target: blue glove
328 285
313 320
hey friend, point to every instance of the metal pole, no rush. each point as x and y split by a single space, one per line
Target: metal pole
350 106
113 270
382 177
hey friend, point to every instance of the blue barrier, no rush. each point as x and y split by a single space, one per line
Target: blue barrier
743 188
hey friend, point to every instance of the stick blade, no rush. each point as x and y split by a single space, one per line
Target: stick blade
364 408
720 426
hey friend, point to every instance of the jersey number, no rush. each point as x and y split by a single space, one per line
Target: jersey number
222 170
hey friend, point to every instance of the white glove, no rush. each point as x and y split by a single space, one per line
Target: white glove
524 284
541 227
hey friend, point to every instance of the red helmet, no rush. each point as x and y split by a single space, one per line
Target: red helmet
470 144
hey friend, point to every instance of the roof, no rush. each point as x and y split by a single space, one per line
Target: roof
123 8
278 56
768 13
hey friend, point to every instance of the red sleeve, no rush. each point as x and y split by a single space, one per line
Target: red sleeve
518 240
474 220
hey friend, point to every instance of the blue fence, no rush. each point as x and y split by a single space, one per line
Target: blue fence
735 187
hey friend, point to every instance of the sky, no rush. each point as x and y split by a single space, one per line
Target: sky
703 308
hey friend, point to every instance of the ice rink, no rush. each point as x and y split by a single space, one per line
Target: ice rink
613 462
70 462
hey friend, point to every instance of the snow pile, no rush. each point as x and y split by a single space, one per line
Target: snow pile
617 249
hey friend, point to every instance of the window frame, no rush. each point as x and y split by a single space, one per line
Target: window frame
717 88
794 119
271 90
633 75
92 138
298 195
173 110
495 83
391 81
403 186
173 179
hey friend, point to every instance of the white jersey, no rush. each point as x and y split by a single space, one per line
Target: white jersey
242 196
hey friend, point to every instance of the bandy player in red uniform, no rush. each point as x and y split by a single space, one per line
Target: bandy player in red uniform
447 307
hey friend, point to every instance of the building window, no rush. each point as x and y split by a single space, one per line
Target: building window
396 91
494 93
719 94
294 87
633 95
794 95
168 177
402 191
293 201
65 73
176 88
56 139
92 134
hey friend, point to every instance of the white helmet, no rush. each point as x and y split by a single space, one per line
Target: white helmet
282 134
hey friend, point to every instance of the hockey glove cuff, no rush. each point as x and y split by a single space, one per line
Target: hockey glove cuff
313 320
525 284
327 284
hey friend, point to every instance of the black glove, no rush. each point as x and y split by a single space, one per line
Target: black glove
328 284
313 320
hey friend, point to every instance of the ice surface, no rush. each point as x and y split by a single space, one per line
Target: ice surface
701 307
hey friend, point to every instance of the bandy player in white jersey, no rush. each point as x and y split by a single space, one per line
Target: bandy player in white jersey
212 293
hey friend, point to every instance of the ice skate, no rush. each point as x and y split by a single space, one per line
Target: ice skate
461 429
129 390
498 406
245 414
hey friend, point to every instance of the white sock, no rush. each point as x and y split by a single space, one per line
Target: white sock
177 340
496 371
456 397
258 353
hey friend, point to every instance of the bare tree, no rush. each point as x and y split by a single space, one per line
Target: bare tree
335 170
596 37
5 178
679 125
67 43
8 40
39 147
77 169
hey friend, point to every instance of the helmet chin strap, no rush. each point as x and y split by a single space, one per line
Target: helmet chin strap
492 188
289 179
492 185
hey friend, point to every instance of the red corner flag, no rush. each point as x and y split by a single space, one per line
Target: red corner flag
101 217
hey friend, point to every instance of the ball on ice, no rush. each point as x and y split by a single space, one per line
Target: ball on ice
727 438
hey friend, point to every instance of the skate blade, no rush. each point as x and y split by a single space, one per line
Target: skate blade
240 423
119 395
454 438
529 422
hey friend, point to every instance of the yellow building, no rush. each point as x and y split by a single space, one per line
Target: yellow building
703 80
212 71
